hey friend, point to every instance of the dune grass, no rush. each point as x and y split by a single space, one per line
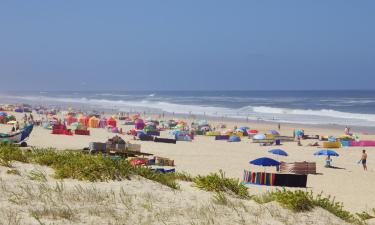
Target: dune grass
80 166
219 183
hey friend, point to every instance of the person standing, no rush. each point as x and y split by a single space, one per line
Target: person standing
364 159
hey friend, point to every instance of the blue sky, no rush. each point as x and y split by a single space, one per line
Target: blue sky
189 45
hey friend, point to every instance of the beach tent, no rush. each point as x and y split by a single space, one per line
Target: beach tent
71 119
234 138
77 126
259 137
93 122
274 132
83 120
139 124
103 122
331 139
244 128
111 122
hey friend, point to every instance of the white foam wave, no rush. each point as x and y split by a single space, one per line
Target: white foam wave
321 113
324 116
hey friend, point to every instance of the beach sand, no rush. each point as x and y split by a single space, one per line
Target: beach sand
350 185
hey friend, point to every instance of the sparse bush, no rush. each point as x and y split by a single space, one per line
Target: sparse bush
183 176
364 216
10 153
167 179
219 183
297 201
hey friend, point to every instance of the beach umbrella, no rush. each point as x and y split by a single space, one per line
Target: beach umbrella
259 137
12 122
265 161
278 152
326 152
3 114
253 131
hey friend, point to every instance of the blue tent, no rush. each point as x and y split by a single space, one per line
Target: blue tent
244 129
331 139
265 161
326 152
259 137
278 152
234 138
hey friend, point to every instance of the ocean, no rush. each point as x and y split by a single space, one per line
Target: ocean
351 108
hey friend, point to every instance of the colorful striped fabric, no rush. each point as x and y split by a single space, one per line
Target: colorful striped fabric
260 178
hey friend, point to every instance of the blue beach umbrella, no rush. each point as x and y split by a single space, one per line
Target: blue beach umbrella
326 152
265 161
278 152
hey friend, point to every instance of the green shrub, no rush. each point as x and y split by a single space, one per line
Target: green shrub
219 183
183 176
10 153
364 216
297 201
304 201
336 208
167 179
263 198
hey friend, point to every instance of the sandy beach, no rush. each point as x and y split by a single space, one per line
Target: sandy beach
350 184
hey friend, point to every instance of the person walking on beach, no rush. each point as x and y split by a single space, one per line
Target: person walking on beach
364 159
279 126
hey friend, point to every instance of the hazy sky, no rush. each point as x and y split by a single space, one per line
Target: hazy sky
191 44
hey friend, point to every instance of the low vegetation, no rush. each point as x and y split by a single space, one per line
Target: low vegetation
80 166
219 183
299 201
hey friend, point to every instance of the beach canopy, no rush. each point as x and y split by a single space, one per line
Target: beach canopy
278 152
326 152
265 161
259 137
234 138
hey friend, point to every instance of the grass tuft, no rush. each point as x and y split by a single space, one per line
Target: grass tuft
219 183
14 172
